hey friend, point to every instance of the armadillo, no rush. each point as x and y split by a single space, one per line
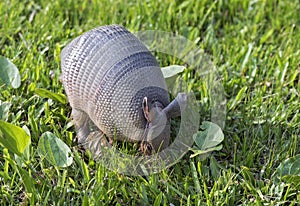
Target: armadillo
113 82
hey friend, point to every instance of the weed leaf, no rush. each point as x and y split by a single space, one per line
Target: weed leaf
9 73
172 70
13 138
210 137
207 140
54 150
288 171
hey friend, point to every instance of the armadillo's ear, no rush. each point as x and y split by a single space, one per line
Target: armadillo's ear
146 109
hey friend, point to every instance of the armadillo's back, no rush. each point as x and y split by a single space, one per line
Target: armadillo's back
106 73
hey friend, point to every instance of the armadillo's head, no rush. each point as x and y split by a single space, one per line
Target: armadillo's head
157 132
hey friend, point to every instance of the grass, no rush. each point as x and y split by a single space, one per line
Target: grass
255 46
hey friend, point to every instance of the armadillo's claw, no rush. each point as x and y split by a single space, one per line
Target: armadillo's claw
146 148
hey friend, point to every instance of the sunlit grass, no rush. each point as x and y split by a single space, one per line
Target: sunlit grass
255 46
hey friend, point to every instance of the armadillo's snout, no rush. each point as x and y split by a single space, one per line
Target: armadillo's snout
159 131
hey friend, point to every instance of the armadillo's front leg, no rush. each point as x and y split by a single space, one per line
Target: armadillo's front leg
90 140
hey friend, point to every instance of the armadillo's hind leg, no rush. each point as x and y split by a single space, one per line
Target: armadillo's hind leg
89 136
95 143
81 121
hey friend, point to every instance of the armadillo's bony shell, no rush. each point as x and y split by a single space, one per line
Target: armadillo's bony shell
106 73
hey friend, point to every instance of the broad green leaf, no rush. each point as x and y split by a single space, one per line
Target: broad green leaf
210 137
20 160
4 109
13 138
172 70
289 171
54 150
9 73
48 94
